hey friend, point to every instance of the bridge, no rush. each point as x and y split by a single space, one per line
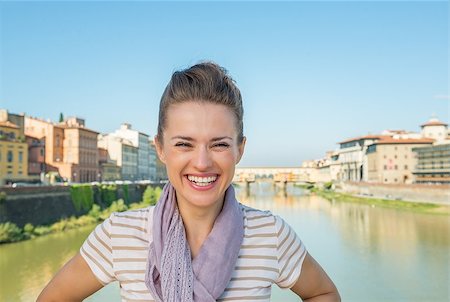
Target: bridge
279 175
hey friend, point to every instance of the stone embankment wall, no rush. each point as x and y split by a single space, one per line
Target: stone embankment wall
439 194
48 204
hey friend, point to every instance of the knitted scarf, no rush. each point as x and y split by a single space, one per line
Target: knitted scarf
171 275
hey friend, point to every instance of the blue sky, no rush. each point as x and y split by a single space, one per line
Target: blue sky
311 73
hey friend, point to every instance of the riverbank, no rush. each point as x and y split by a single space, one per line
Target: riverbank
10 232
414 206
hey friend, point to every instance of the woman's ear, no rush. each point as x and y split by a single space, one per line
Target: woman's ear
159 149
241 149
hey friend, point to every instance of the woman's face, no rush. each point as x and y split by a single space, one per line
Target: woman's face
200 151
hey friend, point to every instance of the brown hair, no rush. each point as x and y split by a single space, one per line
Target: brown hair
205 82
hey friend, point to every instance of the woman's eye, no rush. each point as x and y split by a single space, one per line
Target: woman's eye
182 144
221 145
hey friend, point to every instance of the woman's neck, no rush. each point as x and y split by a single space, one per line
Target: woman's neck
198 223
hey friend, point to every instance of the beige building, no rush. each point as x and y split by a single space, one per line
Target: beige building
70 147
391 160
109 170
123 153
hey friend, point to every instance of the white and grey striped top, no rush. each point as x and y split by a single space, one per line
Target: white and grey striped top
271 253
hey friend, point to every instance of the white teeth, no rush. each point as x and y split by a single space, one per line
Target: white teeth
202 181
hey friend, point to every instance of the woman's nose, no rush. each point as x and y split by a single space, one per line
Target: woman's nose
202 160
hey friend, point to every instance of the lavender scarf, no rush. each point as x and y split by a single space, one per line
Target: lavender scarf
171 275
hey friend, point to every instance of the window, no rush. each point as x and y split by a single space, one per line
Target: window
395 179
42 151
385 167
406 167
20 156
10 156
395 156
396 167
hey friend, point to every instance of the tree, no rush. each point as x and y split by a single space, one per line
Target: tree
61 117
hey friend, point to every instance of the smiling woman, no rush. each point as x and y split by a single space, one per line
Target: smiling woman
198 243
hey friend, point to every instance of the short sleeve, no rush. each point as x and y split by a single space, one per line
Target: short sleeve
291 253
97 252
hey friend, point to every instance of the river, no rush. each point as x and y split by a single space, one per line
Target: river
371 253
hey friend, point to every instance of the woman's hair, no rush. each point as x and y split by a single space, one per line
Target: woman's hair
205 82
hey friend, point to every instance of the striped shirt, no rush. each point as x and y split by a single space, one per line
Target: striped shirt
270 253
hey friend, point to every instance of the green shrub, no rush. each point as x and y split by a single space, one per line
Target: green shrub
42 230
158 192
9 232
118 206
328 185
59 226
149 197
28 228
82 197
2 197
108 194
95 212
126 196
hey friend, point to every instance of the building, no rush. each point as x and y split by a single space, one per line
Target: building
153 157
13 154
123 153
352 160
70 147
392 160
80 156
36 156
435 129
433 164
109 170
138 140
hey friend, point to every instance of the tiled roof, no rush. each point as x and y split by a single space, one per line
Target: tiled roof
389 141
364 137
434 122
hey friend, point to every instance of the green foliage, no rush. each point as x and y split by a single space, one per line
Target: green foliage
158 192
82 197
126 196
2 197
118 206
328 185
9 232
42 230
95 212
150 196
61 117
28 228
108 194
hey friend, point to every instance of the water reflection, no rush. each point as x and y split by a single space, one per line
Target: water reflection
373 254
366 248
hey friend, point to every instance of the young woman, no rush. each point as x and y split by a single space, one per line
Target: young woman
198 243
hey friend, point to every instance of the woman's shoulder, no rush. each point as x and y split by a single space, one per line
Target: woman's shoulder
132 222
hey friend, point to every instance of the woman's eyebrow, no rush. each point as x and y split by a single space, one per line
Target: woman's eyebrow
221 138
188 138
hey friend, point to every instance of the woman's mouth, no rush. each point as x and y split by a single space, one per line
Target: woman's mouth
202 181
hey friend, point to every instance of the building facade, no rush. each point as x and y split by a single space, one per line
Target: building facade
352 159
13 154
70 147
433 164
392 160
139 141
